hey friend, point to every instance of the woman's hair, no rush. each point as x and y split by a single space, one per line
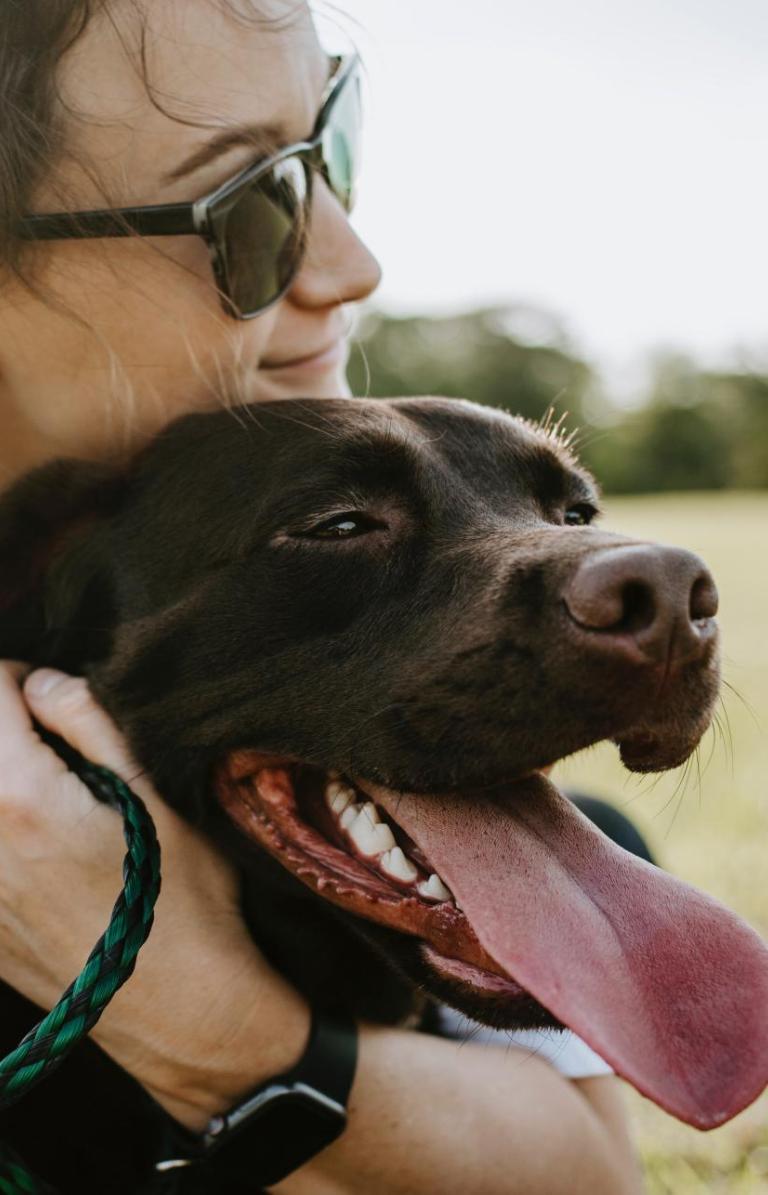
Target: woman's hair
34 35
35 137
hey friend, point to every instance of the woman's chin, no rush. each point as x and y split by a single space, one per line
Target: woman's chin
335 386
268 385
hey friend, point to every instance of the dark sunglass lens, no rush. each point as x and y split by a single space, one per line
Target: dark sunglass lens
264 235
341 144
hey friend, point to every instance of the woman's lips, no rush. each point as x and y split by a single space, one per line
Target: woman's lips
329 357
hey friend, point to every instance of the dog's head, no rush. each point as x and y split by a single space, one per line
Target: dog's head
301 611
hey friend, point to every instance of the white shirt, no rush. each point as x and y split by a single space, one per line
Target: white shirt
565 1051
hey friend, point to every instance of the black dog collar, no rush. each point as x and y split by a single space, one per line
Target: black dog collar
278 1127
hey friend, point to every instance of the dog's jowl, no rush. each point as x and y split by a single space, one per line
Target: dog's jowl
346 637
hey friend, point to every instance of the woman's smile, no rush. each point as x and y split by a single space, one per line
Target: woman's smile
331 356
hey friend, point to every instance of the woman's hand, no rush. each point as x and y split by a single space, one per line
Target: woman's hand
203 1018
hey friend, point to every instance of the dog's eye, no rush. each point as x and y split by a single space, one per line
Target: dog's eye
343 526
579 515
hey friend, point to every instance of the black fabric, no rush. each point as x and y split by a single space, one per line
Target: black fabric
71 1127
614 824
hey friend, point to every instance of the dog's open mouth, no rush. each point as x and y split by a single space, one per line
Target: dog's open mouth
515 894
339 842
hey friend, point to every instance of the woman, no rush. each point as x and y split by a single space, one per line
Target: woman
102 342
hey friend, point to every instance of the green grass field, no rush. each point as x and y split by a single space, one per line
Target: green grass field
711 830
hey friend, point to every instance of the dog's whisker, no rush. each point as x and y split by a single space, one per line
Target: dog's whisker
658 777
715 736
680 790
645 785
553 430
727 729
649 782
723 731
697 761
743 701
721 725
678 806
586 437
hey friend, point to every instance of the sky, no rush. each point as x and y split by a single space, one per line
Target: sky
604 162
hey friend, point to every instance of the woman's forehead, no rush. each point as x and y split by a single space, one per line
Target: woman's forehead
212 63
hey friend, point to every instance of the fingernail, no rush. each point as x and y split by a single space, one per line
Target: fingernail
42 681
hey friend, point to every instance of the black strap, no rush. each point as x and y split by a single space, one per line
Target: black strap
326 1067
330 1058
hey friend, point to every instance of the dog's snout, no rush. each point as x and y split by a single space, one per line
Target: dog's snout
658 599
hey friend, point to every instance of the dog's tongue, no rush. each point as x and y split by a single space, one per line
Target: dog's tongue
664 983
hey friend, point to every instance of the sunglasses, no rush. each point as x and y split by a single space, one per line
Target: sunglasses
257 223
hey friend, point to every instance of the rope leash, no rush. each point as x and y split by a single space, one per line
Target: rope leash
108 966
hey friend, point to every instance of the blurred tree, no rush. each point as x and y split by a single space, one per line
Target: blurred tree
663 447
698 429
468 356
679 440
742 405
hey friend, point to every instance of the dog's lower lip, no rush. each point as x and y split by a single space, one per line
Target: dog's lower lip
476 977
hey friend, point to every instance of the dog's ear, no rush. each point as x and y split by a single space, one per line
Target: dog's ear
55 591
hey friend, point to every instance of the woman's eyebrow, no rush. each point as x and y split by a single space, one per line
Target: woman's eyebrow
263 138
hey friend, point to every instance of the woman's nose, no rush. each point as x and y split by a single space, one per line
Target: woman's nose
338 267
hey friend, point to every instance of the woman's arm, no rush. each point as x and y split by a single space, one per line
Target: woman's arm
429 1115
205 1018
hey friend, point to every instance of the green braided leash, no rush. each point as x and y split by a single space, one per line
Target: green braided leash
15 1179
108 966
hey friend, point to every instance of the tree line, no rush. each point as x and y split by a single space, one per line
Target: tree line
696 430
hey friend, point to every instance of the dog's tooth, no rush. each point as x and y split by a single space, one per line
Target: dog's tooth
372 813
331 789
349 816
434 889
395 864
369 838
384 837
340 802
338 797
336 788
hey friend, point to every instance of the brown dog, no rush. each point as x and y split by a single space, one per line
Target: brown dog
298 612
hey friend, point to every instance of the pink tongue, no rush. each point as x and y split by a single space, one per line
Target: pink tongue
664 983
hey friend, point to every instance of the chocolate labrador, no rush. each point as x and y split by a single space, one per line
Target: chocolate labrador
346 637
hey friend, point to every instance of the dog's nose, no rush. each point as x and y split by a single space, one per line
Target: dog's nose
658 599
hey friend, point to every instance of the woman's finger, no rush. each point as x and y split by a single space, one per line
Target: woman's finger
65 705
14 718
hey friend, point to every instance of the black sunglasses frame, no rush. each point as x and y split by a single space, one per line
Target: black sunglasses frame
199 218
